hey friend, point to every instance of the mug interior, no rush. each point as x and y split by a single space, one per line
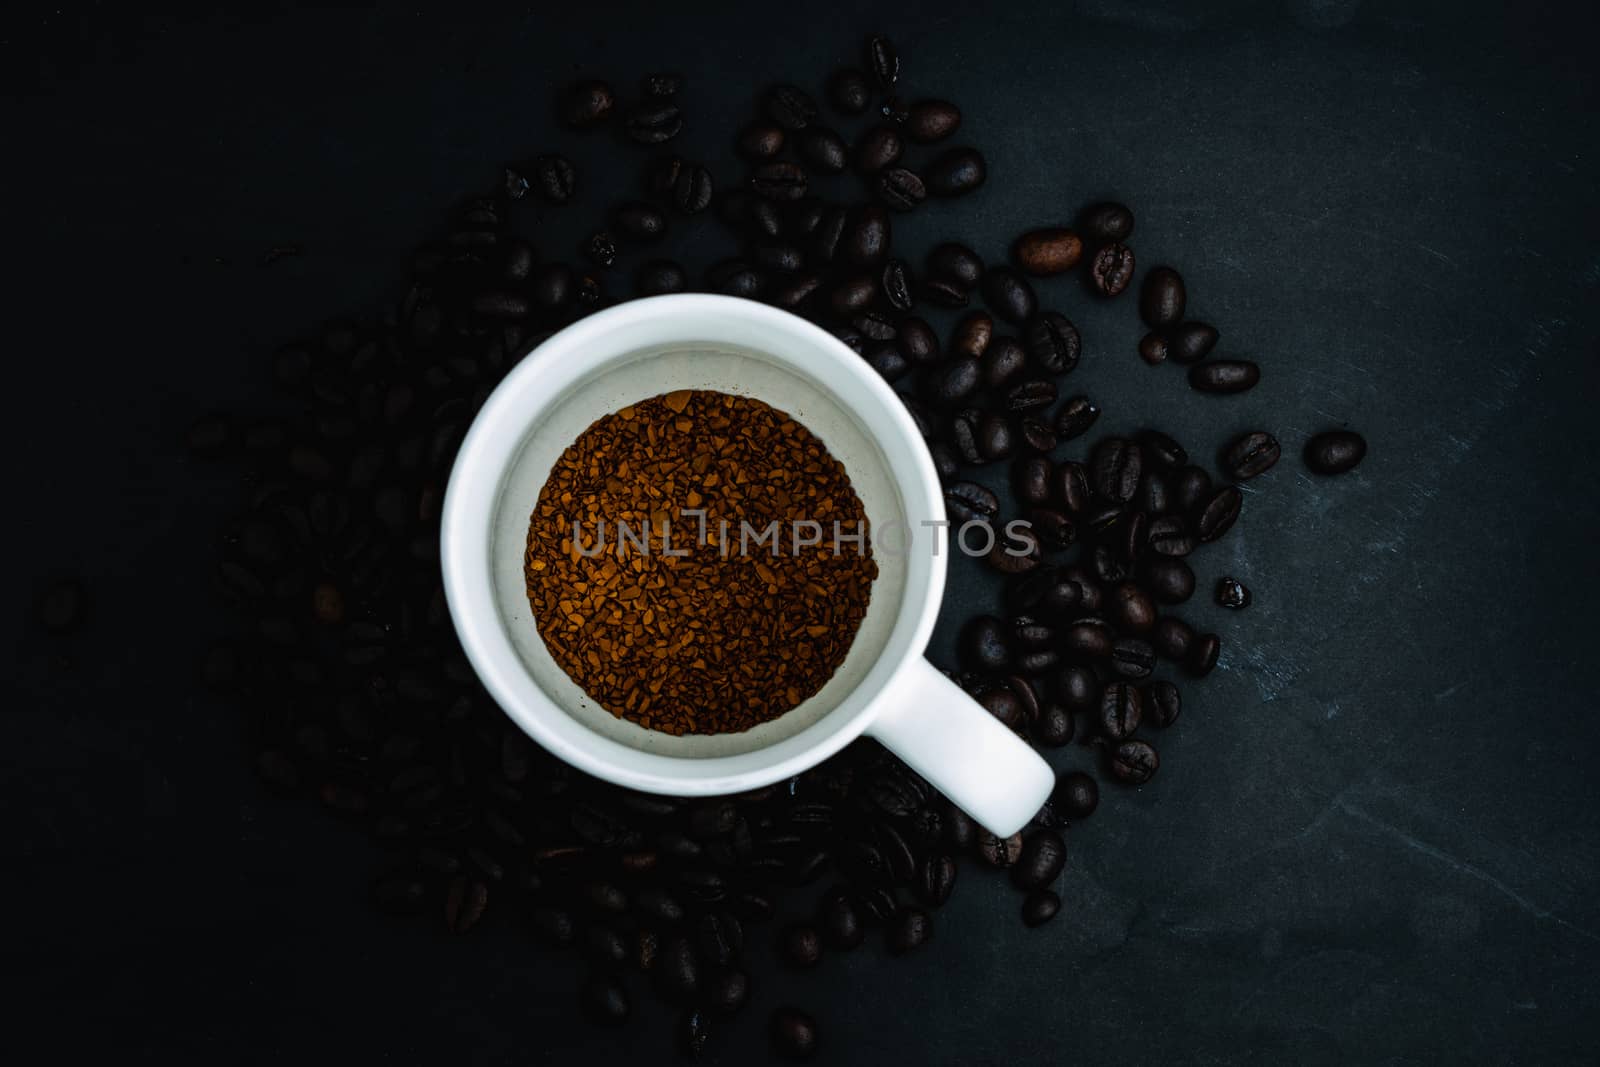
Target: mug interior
597 367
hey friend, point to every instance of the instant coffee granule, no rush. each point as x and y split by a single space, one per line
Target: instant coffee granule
698 563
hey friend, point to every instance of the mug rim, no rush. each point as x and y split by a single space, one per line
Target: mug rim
488 450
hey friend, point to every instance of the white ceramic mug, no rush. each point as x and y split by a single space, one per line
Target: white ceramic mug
884 688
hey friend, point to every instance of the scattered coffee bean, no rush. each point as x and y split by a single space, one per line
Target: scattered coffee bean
1249 455
1111 269
1232 593
780 180
1218 514
883 61
822 149
1106 223
900 188
1162 298
1191 342
1008 294
1115 467
1153 348
554 178
932 120
790 107
654 122
761 140
1335 451
793 1033
1224 376
1039 907
956 173
1169 579
849 92
1043 856
587 104
956 263
1048 251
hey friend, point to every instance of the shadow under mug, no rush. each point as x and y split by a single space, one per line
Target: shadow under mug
884 688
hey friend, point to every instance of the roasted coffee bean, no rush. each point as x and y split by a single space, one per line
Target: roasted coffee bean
638 221
554 178
1132 658
866 236
1126 536
1079 690
1155 494
794 290
1053 727
1106 223
874 325
1131 608
1072 486
661 276
1172 638
956 172
888 362
931 120
1232 593
1043 856
1111 269
776 255
896 282
883 61
1153 348
662 84
1190 342
964 434
1168 579
800 945
1008 294
793 1033
1121 710
1115 467
1039 907
779 180
654 121
1030 395
735 277
849 92
692 192
822 149
1055 531
1088 639
942 293
1054 250
880 147
761 140
1016 549
1162 298
1076 795
1335 451
587 104
1202 656
936 879
945 460
1075 417
661 174
999 852
1162 703
1134 762
464 904
1043 592
727 991
986 644
1025 692
900 188
1004 706
1032 478
853 294
790 107
1037 434
972 335
1162 450
1106 562
604 1000
1053 343
1169 535
958 379
1224 376
1217 515
917 341
1190 486
1003 362
839 921
956 263
911 929
1249 455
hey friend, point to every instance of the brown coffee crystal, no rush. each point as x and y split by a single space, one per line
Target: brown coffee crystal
698 563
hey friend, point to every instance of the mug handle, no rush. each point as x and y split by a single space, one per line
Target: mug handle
952 741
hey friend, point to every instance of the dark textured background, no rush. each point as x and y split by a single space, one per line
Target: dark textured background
1374 836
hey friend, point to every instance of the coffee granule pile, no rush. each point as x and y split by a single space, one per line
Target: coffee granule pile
690 623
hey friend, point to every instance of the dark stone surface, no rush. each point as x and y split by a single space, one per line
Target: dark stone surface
1374 834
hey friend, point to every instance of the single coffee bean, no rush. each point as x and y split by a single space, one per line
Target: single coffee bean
900 188
654 121
1043 856
1032 478
999 852
1039 907
1075 417
1111 269
1335 451
1004 706
1076 795
1224 376
1162 298
932 120
896 283
793 1033
822 149
1046 593
866 235
986 644
554 178
1172 638
638 221
1249 455
1008 294
1131 608
1132 658
1030 395
1121 710
1217 515
1072 486
796 289
735 277
1054 250
839 921
942 293
1054 726
1104 560
1106 223
1115 467
888 362
910 930
779 180
761 140
1153 348
1191 342
878 148
956 172
882 61
1169 580
1134 762
1004 361
790 107
917 341
692 191
1190 486
972 335
964 434
1055 530
586 104
1087 639
800 944
1037 434
1162 703
958 379
853 294
1016 550
945 460
1079 689
777 255
1053 343
874 325
604 1000
1232 593
849 92
1203 653
936 879
957 263
1155 494
1169 535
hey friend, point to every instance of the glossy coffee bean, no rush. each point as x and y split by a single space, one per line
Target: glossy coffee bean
1335 451
761 140
1053 343
1121 710
1168 579
917 341
956 263
1087 639
1162 703
956 172
1162 450
901 188
790 107
966 501
1072 487
1055 530
897 284
779 180
910 929
1218 514
1153 348
1232 593
1029 395
849 91
888 362
972 335
1169 535
1032 478
1132 658
1111 269
1202 656
1106 223
1004 706
822 149
1190 342
792 1033
1037 434
866 235
1074 417
1076 795
1043 856
661 276
654 121
1154 497
587 103
1016 551
1044 252
1190 486
1249 455
931 120
1130 608
1134 762
957 379
1054 726
1115 467
998 852
880 147
883 61
853 294
986 644
1162 298
1079 689
1008 294
639 222
1224 376
1172 638
1005 360
964 435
